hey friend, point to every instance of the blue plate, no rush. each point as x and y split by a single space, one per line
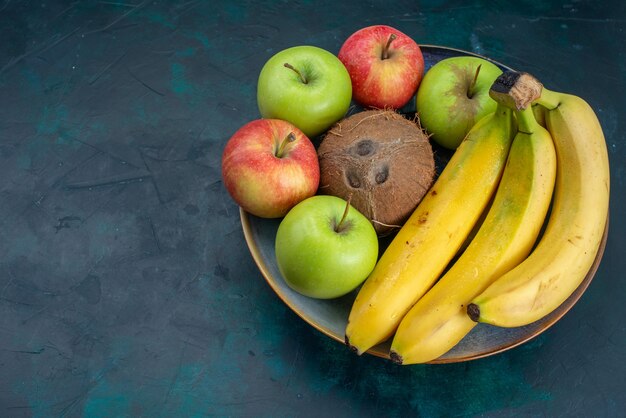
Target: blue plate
330 316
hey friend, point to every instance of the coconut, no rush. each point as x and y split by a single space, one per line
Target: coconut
381 161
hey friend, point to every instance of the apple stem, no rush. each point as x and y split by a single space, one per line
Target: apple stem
302 77
385 54
338 227
470 91
281 148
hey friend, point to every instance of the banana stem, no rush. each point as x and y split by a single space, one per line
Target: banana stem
526 120
549 99
515 90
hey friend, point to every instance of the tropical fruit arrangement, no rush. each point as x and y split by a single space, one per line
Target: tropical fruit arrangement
503 234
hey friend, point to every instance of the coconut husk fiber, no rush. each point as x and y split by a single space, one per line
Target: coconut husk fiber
380 160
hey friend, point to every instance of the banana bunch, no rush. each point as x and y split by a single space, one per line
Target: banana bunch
438 320
504 277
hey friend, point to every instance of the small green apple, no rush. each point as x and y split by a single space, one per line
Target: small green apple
453 96
325 248
305 85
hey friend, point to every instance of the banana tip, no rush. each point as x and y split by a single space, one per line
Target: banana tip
352 348
473 311
395 357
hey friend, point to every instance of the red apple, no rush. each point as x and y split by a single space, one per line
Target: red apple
269 166
385 66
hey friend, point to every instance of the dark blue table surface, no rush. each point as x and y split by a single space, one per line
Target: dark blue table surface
126 286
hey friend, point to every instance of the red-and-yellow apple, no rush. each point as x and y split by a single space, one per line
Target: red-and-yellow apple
269 166
385 66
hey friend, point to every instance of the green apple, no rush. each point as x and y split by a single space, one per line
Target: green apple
453 96
305 85
325 248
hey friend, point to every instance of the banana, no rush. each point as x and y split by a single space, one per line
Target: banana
574 232
438 321
434 232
